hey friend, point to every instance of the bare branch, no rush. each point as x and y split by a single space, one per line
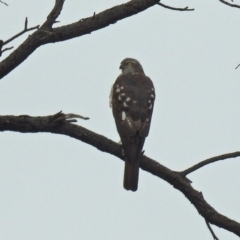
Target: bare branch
26 23
77 29
3 3
5 49
22 32
173 8
58 124
208 161
211 231
53 15
1 45
70 116
237 66
230 4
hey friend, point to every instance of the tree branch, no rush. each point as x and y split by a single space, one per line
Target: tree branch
77 29
230 4
26 29
5 49
3 3
211 231
177 9
208 161
53 15
57 124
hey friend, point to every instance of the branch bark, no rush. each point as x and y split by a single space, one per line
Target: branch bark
46 34
59 124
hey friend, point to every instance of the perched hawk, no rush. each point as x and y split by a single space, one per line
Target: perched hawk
132 99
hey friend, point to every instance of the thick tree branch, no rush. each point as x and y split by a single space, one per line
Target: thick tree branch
208 161
77 29
230 4
177 9
57 124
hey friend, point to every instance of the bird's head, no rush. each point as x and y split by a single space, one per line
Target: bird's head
131 66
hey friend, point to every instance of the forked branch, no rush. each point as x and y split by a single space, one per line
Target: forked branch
26 29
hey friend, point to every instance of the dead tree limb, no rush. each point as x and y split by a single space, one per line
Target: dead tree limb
57 124
26 29
46 34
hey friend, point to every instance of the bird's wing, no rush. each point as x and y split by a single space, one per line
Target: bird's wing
133 98
132 101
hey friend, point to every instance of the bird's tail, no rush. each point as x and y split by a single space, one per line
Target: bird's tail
131 172
133 151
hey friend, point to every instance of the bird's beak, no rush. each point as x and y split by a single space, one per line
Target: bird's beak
121 66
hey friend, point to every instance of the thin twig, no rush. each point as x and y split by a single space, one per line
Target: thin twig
6 49
211 231
70 116
230 4
208 161
22 32
3 3
26 23
1 45
177 9
237 66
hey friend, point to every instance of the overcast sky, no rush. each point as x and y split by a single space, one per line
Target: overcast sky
55 187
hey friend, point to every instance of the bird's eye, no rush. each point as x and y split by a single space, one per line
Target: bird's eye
129 64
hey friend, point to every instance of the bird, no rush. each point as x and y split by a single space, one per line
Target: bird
132 100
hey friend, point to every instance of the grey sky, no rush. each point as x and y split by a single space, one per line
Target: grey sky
55 187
